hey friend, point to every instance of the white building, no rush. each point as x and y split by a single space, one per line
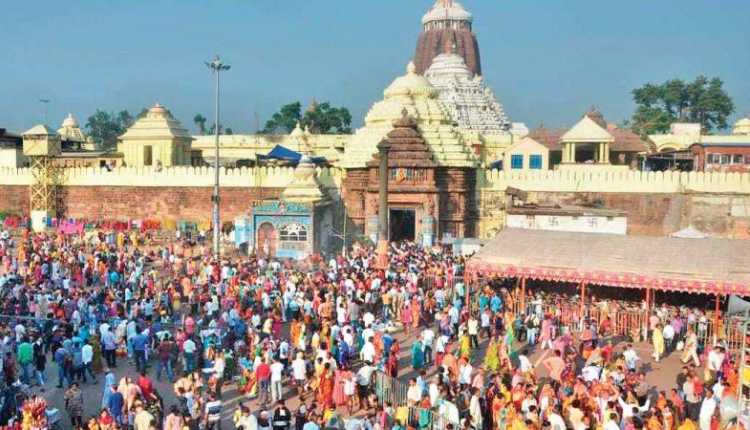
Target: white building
568 218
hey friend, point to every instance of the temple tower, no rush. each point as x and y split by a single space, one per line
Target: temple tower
445 25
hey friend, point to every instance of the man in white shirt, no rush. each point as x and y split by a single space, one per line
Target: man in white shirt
708 407
715 360
473 329
367 354
631 357
556 421
364 380
188 347
277 370
87 356
414 393
434 392
368 318
668 334
299 372
524 364
464 374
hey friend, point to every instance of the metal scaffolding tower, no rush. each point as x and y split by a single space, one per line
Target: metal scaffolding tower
42 145
44 188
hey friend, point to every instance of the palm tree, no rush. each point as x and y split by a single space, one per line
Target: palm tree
200 121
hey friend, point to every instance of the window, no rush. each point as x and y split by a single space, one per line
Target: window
737 159
293 233
747 159
535 162
713 158
407 174
726 159
516 161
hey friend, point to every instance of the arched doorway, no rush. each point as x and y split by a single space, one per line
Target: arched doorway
267 240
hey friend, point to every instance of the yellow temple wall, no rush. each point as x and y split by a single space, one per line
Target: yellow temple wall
271 177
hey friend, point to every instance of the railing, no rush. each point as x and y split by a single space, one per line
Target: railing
630 322
392 391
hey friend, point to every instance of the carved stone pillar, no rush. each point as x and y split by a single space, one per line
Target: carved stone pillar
382 257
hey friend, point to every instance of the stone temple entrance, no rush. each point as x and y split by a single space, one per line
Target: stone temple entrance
402 224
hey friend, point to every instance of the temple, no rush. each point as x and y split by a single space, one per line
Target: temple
470 102
447 24
452 158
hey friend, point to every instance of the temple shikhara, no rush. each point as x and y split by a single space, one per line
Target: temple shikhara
458 168
447 24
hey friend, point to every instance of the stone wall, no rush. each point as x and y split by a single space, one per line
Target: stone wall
650 214
177 203
179 193
14 199
614 180
656 203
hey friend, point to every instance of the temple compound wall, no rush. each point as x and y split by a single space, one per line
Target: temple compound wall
656 203
177 193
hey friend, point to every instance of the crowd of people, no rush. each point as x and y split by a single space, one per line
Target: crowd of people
322 343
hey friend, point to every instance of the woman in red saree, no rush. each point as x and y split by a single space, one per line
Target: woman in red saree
391 366
339 396
416 312
325 387
407 318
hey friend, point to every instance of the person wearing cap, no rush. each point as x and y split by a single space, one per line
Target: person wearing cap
74 404
264 421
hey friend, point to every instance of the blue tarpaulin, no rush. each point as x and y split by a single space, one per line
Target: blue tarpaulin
282 153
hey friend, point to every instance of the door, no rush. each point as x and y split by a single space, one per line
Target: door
402 224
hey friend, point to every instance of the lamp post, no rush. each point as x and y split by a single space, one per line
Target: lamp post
383 231
216 67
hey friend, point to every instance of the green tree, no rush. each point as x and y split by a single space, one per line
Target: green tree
200 121
702 101
104 127
284 120
321 118
324 119
222 130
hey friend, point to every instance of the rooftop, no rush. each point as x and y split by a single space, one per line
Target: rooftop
694 265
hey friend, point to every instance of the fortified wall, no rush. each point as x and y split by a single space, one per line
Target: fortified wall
179 193
656 203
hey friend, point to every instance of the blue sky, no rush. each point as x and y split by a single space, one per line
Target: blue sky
547 60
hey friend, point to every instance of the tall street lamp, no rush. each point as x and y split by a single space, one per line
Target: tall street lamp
216 67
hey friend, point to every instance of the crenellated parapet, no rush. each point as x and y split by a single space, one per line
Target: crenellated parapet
178 176
615 181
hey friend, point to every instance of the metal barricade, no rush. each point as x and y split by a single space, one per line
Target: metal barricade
389 390
426 419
